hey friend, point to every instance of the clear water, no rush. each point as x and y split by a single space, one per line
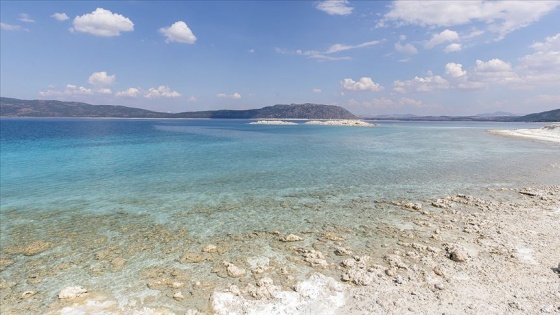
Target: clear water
129 183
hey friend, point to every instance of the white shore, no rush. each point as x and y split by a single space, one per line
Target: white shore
547 133
461 254
341 122
272 122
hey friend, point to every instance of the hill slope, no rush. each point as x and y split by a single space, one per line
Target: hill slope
294 111
38 108
12 107
548 116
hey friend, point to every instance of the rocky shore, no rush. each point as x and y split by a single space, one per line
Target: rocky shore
461 254
549 133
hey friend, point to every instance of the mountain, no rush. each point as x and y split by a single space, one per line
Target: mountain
294 111
11 107
497 114
47 108
548 116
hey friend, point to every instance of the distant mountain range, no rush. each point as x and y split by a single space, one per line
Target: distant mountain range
11 107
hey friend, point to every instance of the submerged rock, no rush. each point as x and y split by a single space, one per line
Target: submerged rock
234 271
71 292
291 238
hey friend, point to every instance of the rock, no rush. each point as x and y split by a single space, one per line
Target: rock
30 249
349 262
341 251
210 249
439 286
458 254
27 294
413 206
178 296
291 238
193 258
234 271
71 292
333 236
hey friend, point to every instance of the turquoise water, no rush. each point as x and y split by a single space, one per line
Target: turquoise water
71 181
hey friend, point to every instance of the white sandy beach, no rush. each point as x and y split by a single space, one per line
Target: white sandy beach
461 254
547 133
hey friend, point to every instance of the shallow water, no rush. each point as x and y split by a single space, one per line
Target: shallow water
147 191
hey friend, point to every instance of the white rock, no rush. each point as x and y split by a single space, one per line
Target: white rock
72 292
291 238
234 271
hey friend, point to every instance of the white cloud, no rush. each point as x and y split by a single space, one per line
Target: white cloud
341 47
455 70
101 78
364 84
317 90
70 90
130 92
178 32
421 84
192 99
10 27
24 17
335 7
103 23
411 102
495 70
60 16
233 96
548 98
543 66
104 91
408 49
444 36
161 91
501 17
252 50
323 55
453 47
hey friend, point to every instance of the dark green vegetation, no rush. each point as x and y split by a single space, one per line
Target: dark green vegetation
551 115
10 107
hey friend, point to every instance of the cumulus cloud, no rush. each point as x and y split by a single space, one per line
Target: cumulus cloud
233 96
70 90
408 49
495 70
545 60
317 90
444 36
453 47
364 84
455 70
130 92
335 7
103 23
178 32
501 17
60 16
101 78
24 17
10 27
421 84
161 91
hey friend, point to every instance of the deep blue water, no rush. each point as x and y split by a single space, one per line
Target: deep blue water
147 191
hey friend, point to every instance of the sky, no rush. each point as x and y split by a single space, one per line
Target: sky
370 57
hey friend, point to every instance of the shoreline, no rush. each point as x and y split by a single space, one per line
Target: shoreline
459 254
549 133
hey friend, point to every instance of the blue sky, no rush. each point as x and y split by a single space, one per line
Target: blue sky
371 57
